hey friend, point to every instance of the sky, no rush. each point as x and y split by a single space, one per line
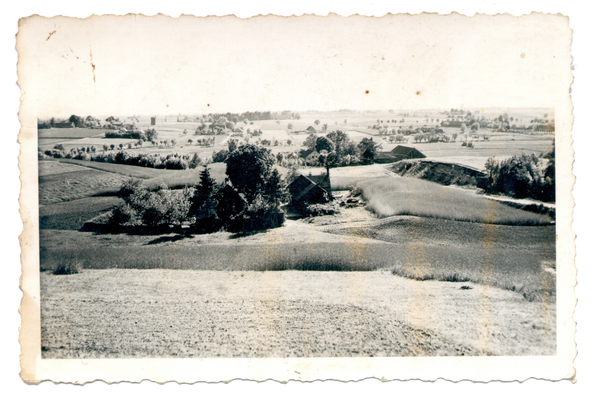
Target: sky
160 65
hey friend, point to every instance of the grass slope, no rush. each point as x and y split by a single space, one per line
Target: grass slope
511 257
389 196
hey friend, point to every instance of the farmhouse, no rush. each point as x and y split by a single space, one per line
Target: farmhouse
406 152
399 153
230 201
310 190
311 129
310 156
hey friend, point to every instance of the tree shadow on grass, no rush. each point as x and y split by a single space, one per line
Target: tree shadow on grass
245 234
168 238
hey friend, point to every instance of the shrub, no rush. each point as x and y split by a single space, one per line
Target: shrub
70 266
220 156
129 186
123 215
320 210
257 216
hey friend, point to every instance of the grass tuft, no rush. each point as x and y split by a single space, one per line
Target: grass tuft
71 266
528 292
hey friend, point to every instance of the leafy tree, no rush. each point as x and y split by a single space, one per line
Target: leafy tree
76 120
368 149
317 122
310 142
324 144
249 168
328 160
232 144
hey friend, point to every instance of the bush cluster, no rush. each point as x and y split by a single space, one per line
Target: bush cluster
147 160
135 134
317 210
151 207
521 176
248 202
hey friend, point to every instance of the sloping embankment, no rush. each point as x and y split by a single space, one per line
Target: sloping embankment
456 174
439 172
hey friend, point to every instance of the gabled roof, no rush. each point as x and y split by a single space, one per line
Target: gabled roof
407 151
306 153
309 187
322 180
229 192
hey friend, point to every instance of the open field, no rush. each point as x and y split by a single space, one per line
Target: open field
71 215
64 183
411 196
69 133
510 257
167 313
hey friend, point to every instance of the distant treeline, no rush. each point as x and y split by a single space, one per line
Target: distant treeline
240 117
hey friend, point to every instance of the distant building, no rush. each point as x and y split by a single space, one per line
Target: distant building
399 153
310 190
309 155
153 121
406 152
311 129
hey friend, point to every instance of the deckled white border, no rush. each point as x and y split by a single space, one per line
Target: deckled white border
367 394
483 369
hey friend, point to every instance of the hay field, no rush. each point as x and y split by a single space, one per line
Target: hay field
411 196
59 182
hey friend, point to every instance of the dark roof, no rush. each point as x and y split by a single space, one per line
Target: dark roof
310 189
322 180
407 152
311 128
304 153
229 192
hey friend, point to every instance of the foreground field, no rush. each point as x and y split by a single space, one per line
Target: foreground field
167 313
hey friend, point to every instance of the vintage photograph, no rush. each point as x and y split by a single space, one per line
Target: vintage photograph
300 189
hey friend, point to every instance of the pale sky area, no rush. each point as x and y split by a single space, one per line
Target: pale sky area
160 65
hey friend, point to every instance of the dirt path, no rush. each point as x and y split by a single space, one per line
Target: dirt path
170 313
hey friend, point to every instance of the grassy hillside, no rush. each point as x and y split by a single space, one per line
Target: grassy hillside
389 196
